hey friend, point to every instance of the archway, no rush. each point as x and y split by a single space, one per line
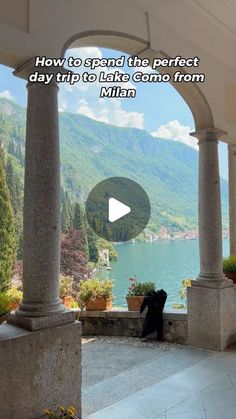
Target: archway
210 238
131 45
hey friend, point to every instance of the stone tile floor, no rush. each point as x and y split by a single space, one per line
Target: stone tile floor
124 378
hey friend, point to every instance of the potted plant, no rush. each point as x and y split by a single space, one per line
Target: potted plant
229 268
4 307
95 294
136 293
60 413
66 288
15 297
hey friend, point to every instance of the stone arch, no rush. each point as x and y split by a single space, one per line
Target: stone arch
190 92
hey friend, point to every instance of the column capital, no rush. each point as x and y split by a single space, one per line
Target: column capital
208 135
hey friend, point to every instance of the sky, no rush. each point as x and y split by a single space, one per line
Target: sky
158 108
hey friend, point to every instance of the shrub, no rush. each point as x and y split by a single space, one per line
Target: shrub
14 295
183 294
92 288
140 288
66 286
60 413
4 304
229 264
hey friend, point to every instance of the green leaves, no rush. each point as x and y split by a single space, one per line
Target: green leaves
92 288
7 233
229 264
141 288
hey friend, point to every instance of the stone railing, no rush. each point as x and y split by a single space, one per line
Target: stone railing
121 322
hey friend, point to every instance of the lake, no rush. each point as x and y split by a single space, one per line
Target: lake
166 263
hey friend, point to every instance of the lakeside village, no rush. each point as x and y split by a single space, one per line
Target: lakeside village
165 234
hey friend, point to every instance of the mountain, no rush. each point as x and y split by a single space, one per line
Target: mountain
92 151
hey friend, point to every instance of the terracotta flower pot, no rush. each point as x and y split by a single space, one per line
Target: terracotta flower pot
67 301
134 302
100 303
14 305
231 275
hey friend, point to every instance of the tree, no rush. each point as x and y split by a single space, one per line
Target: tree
7 230
78 221
104 244
66 212
79 224
73 257
65 217
16 197
92 245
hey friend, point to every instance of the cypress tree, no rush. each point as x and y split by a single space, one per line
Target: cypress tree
14 187
65 217
78 222
7 230
16 196
92 245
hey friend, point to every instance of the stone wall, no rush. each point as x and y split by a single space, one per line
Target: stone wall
39 370
121 322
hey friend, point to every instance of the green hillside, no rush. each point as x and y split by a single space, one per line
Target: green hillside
92 151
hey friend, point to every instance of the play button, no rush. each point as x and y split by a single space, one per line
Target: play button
118 209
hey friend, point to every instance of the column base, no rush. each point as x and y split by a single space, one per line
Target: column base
212 314
40 370
32 309
37 323
212 282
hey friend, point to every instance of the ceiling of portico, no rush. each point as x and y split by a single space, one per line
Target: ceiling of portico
223 11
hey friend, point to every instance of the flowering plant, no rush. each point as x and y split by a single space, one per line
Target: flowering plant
60 413
187 282
137 288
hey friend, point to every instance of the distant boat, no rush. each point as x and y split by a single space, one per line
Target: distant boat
108 268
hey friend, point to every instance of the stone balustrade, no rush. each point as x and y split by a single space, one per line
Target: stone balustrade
121 322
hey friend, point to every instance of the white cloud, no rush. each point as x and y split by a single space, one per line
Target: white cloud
6 94
84 52
94 88
84 98
84 109
111 112
173 130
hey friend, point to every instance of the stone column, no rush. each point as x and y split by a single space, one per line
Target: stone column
211 297
41 305
232 197
40 367
209 207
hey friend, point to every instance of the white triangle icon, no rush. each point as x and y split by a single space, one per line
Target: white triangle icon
117 209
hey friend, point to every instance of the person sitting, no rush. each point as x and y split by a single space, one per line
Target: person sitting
153 321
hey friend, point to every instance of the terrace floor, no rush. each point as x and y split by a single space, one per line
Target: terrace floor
124 378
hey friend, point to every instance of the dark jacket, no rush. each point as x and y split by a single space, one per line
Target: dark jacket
155 301
153 321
